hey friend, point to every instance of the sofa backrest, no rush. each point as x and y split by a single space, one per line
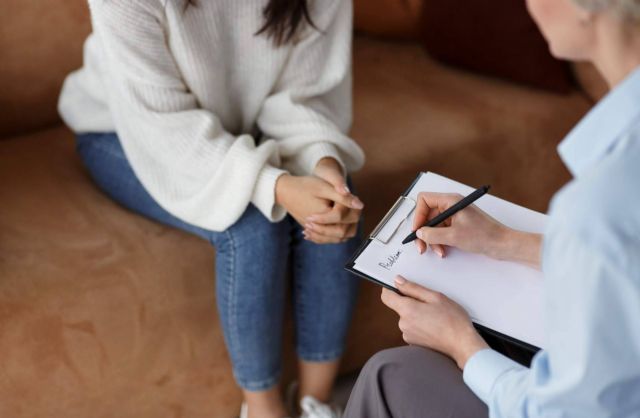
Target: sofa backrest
40 43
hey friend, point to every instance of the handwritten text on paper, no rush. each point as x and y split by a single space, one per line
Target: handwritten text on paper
390 261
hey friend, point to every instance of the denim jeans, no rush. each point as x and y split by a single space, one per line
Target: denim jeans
252 260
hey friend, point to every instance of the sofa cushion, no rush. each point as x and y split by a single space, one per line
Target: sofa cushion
41 43
100 315
498 39
590 80
412 113
399 19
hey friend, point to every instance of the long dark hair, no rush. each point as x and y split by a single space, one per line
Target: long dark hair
283 19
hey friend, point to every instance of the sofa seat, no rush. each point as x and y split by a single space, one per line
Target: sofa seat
106 314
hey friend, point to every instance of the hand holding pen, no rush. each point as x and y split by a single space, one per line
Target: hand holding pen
462 224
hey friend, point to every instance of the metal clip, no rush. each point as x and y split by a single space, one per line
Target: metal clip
384 231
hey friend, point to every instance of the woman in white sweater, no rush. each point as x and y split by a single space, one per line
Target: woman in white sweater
228 119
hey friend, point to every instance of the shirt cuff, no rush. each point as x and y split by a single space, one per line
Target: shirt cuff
264 194
308 157
483 370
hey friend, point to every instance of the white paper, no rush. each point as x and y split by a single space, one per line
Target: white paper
503 296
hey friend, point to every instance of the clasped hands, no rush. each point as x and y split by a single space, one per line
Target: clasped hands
321 203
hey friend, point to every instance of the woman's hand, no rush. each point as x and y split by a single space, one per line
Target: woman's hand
304 196
432 320
471 230
341 222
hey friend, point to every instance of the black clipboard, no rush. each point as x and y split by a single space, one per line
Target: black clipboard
350 266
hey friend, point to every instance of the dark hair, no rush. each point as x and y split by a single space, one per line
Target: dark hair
283 19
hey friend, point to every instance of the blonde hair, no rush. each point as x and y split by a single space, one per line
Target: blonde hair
627 9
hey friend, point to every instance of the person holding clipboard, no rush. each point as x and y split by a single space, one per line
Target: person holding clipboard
589 254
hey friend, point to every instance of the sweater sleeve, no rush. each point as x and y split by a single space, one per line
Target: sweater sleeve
181 153
309 110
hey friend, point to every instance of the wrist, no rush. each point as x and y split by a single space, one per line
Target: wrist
519 246
328 162
501 243
467 347
282 185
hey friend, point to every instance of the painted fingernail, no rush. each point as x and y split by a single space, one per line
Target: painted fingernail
400 280
357 203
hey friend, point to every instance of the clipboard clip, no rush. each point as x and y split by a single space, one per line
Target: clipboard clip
390 223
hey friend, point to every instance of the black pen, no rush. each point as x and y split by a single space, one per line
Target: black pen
451 211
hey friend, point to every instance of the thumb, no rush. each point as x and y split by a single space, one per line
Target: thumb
414 290
329 192
336 179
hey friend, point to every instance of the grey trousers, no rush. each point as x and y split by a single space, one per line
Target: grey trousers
412 382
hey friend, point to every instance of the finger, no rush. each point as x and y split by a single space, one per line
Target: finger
438 249
334 174
436 235
392 300
430 205
336 179
339 214
343 232
320 239
352 231
416 291
342 215
333 230
328 192
339 184
422 247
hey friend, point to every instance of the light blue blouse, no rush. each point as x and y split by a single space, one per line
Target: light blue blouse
591 265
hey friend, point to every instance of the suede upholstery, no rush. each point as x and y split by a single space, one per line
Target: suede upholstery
106 314
40 44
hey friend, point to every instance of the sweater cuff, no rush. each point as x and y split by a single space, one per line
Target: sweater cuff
483 369
308 157
264 194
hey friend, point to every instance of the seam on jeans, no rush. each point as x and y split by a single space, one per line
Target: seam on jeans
231 310
321 357
259 385
299 308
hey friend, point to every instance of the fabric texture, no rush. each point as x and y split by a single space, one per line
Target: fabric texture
591 366
209 114
252 259
499 40
410 382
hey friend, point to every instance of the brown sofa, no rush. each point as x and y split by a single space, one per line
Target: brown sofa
106 314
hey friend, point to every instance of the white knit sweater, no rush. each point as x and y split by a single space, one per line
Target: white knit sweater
188 91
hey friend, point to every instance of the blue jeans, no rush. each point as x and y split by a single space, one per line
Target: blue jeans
253 257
